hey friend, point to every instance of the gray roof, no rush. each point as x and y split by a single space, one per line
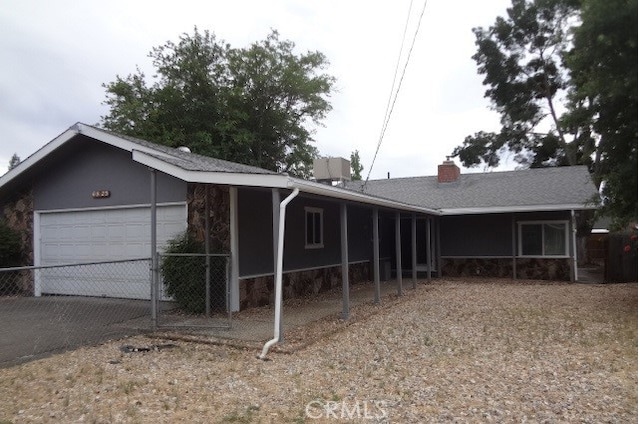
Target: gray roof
189 161
534 189
571 185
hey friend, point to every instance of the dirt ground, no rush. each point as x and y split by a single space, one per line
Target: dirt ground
450 351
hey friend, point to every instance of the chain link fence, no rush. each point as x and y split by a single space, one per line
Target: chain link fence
47 309
194 291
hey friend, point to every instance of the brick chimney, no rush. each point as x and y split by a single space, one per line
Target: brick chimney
448 172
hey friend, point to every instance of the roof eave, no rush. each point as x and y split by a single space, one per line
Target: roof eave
74 130
115 141
270 181
353 196
40 154
525 208
210 177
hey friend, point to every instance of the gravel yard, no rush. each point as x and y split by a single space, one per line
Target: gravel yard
451 351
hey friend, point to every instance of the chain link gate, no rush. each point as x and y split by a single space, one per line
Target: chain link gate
193 291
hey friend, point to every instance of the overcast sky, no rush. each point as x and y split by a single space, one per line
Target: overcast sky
57 54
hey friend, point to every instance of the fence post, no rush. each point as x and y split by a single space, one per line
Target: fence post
227 281
207 302
574 248
154 255
157 279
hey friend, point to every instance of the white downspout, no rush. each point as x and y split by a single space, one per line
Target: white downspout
278 280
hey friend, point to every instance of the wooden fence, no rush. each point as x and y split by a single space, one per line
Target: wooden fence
621 257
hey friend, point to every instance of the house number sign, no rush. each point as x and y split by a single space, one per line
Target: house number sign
100 194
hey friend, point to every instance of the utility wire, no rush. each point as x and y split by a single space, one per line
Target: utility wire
393 86
389 109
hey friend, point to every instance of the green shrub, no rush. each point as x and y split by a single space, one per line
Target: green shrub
10 256
10 246
185 276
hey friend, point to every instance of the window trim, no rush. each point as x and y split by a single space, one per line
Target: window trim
567 240
311 211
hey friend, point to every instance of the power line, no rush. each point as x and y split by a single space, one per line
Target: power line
389 110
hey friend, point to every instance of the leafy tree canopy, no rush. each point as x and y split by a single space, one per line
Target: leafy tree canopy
603 66
563 76
14 161
356 166
520 57
255 105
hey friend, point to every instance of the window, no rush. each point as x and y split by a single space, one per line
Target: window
313 228
544 238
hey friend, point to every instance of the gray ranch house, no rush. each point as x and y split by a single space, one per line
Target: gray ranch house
88 195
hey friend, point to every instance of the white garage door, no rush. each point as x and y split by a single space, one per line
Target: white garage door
103 235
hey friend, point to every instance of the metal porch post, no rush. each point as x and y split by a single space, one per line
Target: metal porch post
398 255
514 260
414 252
438 250
429 250
344 247
376 258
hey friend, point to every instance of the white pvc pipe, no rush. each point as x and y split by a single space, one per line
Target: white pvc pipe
278 279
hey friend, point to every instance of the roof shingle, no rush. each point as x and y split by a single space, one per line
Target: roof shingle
569 185
190 161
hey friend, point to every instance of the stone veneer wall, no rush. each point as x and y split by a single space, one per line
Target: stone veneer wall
477 267
527 268
18 216
259 291
543 269
218 215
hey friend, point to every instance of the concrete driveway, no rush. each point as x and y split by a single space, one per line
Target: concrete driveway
34 327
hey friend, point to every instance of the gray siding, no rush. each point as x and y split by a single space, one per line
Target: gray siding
360 233
296 255
387 231
84 165
255 238
486 235
476 235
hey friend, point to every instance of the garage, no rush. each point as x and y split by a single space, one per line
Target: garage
97 235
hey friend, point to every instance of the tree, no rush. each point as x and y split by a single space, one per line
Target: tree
255 105
14 161
569 66
604 93
521 58
356 166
